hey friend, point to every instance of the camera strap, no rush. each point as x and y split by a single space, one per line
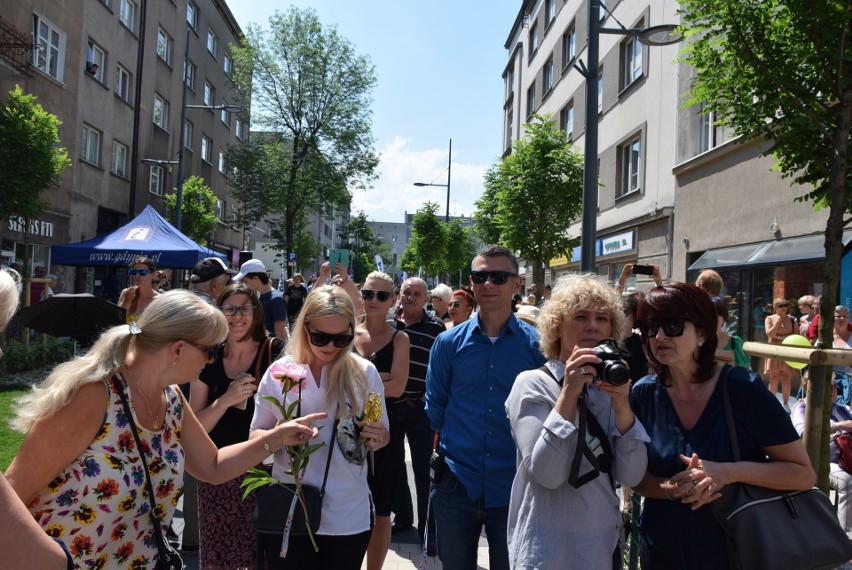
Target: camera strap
588 425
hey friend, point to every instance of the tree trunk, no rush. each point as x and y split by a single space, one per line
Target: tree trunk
538 278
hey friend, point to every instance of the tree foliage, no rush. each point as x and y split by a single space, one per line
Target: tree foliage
428 244
198 214
461 248
365 246
533 195
31 157
310 92
779 70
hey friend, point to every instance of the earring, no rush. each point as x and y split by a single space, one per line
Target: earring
700 344
175 362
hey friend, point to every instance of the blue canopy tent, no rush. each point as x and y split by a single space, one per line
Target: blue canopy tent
148 235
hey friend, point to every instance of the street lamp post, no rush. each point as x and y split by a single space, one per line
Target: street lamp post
654 36
447 185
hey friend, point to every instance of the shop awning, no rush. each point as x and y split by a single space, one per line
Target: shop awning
791 250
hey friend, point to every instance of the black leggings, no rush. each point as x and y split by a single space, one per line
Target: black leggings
337 552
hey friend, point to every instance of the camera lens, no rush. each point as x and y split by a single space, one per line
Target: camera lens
616 373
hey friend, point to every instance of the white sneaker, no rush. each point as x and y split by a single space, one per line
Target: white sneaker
787 409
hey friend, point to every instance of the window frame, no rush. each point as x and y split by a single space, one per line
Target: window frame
219 209
239 127
122 14
167 46
630 166
99 59
547 78
192 14
227 64
53 61
86 145
632 61
535 41
163 112
156 180
531 107
549 12
190 71
188 133
209 95
206 149
566 120
113 166
120 86
214 50
569 41
223 163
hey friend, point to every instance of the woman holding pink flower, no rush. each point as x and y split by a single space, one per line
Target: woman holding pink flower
337 382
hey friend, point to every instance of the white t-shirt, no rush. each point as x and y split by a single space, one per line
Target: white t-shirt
346 506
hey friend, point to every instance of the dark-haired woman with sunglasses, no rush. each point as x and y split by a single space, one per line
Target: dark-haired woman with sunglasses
338 382
138 296
224 402
388 349
689 456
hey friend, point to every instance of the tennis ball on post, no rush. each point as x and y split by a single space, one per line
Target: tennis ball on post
796 340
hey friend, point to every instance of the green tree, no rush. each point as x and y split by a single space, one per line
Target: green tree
779 70
534 194
31 157
486 211
199 209
311 92
365 245
461 248
428 244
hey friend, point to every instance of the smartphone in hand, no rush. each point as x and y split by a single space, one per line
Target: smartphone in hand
643 269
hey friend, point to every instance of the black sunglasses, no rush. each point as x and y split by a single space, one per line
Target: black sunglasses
497 277
210 351
142 272
321 339
368 294
671 327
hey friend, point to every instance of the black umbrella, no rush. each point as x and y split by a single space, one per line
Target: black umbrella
76 316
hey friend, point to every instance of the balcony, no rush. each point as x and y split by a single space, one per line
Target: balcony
15 48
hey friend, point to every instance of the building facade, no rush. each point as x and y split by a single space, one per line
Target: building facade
112 71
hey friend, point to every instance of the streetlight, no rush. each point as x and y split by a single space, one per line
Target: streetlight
449 171
654 36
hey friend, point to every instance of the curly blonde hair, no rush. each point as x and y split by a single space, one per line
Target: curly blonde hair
571 294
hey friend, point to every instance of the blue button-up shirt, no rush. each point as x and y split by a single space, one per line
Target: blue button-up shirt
468 381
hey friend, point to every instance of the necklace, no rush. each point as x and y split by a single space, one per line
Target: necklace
151 414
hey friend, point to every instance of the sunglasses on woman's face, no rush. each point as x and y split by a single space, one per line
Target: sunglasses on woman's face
368 294
671 327
142 272
455 304
210 351
321 339
497 277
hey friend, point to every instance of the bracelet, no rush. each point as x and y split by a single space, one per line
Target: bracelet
666 489
265 444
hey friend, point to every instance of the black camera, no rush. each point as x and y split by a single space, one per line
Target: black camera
436 465
611 369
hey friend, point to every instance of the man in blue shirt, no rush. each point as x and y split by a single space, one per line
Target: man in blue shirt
471 371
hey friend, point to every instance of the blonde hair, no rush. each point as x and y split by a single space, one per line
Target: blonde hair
171 317
381 277
9 298
347 381
571 294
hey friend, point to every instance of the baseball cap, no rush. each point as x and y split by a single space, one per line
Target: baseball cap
250 266
209 268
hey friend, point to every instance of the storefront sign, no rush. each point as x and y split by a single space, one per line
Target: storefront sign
616 244
37 227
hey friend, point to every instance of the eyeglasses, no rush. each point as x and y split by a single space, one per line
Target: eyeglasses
142 272
455 304
671 327
321 339
782 305
210 351
368 294
497 277
231 310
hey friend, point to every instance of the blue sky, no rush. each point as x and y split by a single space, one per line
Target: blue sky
439 66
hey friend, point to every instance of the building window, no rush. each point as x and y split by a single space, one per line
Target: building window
157 180
224 115
161 112
208 94
569 45
90 150
227 64
510 121
223 167
189 74
632 55
220 209
122 83
549 11
533 39
164 46
510 83
107 3
566 120
630 158
127 14
600 90
707 133
603 9
531 100
192 14
187 135
119 159
239 129
212 43
95 60
49 52
548 76
206 148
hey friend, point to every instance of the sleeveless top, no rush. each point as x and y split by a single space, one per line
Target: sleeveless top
98 505
382 359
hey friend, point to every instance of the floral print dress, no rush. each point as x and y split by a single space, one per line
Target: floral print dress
98 505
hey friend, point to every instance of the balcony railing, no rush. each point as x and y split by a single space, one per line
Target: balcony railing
15 46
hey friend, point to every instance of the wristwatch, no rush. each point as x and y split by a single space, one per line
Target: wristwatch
266 444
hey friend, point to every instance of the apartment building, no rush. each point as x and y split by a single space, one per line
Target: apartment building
102 66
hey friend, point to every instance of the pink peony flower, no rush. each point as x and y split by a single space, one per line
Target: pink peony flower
289 374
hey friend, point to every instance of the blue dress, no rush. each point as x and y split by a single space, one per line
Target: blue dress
677 537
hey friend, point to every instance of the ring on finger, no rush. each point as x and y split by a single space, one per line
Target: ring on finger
583 370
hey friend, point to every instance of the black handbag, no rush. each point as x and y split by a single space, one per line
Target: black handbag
167 557
778 530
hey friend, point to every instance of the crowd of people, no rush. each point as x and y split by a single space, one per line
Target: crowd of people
528 415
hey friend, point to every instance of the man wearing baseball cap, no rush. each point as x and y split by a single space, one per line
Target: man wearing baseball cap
253 274
209 277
